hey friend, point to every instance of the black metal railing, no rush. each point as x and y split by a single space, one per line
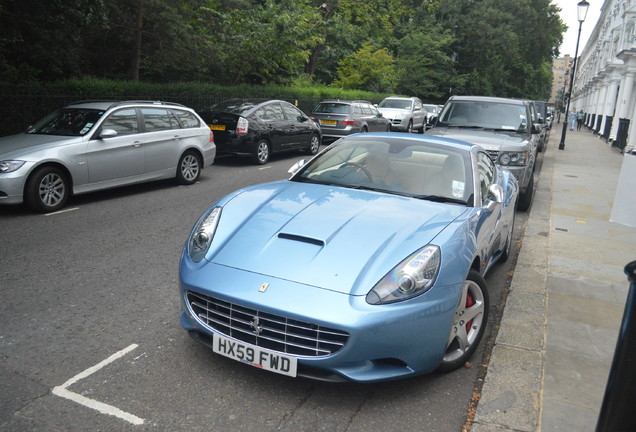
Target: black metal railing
617 410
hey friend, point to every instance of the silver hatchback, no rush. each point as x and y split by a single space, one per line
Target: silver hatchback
89 146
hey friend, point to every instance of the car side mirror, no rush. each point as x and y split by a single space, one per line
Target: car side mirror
302 119
495 196
536 128
297 166
108 133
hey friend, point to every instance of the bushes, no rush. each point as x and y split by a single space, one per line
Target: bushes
23 105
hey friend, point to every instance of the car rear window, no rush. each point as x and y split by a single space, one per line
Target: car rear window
187 119
332 108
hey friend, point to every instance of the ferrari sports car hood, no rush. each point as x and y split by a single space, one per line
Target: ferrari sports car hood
489 140
325 236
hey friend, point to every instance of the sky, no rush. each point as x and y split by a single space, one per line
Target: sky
570 18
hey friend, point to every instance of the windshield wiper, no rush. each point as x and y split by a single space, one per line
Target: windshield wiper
441 199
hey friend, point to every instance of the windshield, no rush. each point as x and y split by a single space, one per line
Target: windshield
395 103
393 165
236 106
487 115
67 122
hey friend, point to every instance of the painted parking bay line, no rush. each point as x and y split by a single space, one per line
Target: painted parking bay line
62 391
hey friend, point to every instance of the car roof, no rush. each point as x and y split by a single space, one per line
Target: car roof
108 104
344 101
401 97
488 99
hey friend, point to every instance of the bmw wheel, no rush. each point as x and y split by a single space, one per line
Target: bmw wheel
469 323
189 168
262 152
46 190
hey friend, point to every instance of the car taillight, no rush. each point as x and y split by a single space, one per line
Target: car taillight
349 122
211 136
242 126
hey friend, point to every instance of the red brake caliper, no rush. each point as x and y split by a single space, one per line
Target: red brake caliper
470 301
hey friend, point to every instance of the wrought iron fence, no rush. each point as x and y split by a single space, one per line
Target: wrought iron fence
21 107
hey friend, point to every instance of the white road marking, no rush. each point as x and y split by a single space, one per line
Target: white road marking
62 211
265 167
62 391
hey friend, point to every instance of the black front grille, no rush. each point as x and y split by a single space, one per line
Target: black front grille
266 330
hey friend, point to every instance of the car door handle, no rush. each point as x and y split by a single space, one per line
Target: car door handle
137 144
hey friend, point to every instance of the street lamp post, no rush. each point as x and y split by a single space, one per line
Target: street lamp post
582 8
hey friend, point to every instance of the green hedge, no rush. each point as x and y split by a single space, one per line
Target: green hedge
23 105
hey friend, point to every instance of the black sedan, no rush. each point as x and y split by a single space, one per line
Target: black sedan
260 127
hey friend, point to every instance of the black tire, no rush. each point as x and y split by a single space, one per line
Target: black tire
189 168
262 152
465 336
314 144
364 130
526 198
506 252
46 190
409 128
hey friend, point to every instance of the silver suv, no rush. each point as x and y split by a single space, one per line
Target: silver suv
88 146
503 127
405 114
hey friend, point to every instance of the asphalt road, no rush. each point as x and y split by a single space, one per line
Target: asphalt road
90 339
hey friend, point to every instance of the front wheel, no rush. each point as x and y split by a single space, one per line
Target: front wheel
526 198
46 190
469 323
189 168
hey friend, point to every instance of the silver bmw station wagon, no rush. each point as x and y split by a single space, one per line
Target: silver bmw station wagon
89 146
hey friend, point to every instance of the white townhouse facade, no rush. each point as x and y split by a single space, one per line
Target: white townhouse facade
605 84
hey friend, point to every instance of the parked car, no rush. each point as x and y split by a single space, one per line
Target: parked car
405 114
367 264
261 127
338 118
89 146
502 126
543 118
432 112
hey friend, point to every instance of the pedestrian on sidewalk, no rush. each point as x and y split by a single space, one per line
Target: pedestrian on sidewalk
572 118
579 120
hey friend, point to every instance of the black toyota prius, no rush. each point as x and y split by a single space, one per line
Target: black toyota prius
261 127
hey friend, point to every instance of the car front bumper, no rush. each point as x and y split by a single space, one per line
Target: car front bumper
12 185
385 342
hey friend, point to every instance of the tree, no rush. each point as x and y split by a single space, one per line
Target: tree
368 69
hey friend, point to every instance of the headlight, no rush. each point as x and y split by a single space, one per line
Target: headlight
412 277
10 165
203 233
513 158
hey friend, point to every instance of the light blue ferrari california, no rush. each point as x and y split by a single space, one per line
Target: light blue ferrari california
366 265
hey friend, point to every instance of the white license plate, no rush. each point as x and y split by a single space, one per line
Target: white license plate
255 356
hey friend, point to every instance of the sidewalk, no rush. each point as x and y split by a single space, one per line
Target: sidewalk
556 341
